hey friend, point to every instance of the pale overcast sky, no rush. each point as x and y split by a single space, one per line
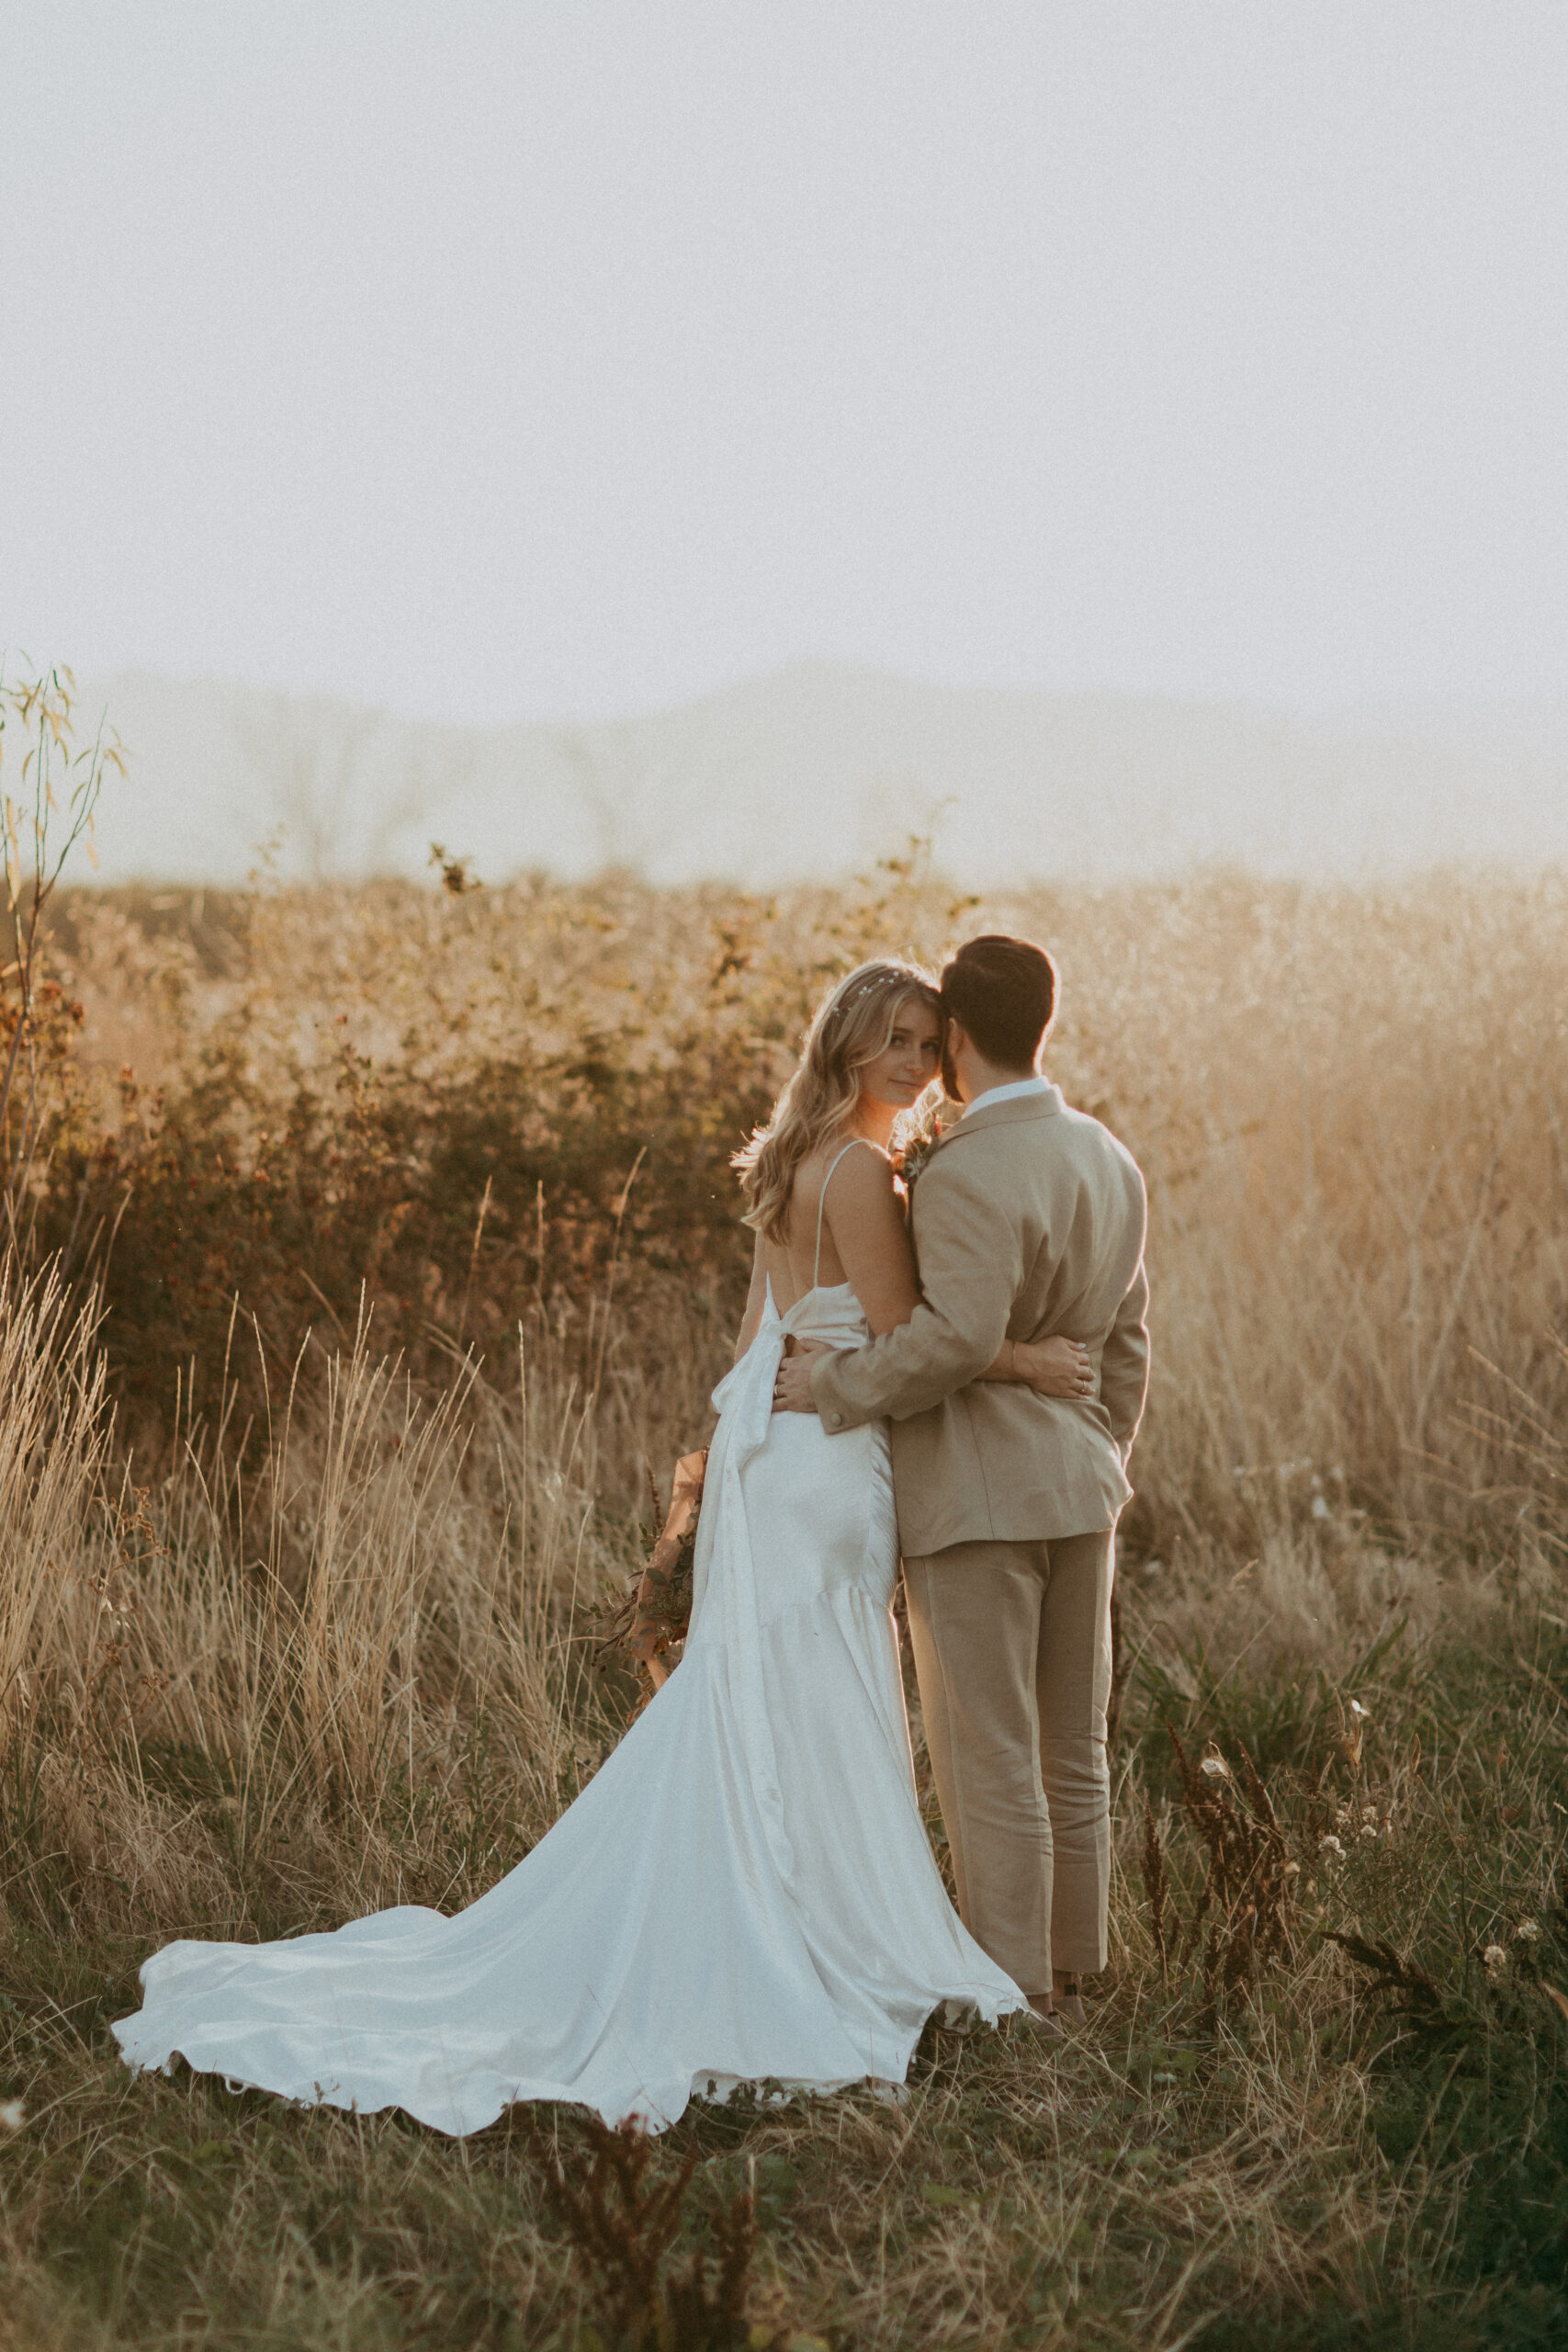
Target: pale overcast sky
502 361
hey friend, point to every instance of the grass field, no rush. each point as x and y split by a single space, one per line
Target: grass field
290 1629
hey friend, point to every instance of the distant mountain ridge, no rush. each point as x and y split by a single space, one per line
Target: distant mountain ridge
815 771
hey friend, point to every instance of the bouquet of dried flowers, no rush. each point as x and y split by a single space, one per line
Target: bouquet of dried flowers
658 1609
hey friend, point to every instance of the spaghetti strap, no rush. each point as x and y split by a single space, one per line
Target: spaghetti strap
821 1205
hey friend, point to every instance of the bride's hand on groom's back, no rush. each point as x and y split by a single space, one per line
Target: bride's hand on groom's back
1054 1367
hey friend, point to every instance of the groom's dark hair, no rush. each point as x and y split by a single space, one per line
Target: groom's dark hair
1004 991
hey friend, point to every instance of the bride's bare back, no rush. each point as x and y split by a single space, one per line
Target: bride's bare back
846 1225
809 1256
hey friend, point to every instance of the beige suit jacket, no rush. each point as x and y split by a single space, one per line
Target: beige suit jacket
1028 1219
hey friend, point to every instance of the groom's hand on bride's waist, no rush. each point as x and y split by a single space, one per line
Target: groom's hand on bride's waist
792 1387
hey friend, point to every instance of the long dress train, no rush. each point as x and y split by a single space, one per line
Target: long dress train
743 1892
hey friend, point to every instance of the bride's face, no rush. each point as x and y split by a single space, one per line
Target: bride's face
908 1061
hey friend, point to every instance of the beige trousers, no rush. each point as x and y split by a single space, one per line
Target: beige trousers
1012 1649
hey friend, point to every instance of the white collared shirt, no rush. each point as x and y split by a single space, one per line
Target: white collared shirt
1014 1092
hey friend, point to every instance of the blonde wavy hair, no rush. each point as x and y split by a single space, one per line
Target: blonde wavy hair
852 1024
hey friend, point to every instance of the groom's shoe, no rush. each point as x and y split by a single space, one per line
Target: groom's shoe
1067 2000
1045 2023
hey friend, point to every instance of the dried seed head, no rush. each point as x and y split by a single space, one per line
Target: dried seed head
1494 1959
1331 1849
1215 1767
1526 1932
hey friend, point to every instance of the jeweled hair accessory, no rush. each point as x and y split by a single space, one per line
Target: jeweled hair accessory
870 987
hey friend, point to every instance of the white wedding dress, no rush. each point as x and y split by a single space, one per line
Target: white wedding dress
743 1892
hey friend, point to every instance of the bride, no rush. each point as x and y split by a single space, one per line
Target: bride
744 1892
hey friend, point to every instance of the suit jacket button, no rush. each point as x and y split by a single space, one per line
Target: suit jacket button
838 1420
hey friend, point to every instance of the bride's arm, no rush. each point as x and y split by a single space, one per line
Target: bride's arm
1053 1367
864 1214
751 1322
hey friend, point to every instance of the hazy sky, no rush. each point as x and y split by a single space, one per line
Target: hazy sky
511 360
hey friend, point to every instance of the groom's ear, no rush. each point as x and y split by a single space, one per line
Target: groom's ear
953 1040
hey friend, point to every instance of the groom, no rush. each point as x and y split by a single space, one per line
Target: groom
1028 1219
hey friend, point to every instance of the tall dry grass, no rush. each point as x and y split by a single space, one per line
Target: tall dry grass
330 1581
53 1452
241 1697
416 1242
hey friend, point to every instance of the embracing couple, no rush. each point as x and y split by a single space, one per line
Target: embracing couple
744 1892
